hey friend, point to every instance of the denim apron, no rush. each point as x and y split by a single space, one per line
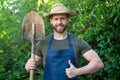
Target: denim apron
57 62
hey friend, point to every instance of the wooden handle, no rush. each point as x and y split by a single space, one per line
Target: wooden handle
31 74
33 50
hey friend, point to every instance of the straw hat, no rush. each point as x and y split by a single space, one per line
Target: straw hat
59 9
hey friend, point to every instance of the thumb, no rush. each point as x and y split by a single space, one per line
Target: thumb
70 63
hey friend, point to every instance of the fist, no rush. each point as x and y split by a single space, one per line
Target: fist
71 71
31 64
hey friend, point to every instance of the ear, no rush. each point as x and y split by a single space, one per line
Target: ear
51 20
68 20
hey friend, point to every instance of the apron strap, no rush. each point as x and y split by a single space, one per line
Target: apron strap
69 41
50 43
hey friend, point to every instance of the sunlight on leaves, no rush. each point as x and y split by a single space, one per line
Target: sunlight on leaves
1 51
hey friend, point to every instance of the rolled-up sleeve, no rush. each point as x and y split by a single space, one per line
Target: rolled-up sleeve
83 46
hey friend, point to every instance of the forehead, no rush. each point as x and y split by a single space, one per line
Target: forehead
59 15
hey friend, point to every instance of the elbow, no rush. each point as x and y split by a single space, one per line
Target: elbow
100 64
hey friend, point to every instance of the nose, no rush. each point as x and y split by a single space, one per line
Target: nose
59 21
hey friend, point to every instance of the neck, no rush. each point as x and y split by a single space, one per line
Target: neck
60 36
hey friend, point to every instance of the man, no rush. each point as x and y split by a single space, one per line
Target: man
60 51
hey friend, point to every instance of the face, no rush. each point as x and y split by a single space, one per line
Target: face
59 22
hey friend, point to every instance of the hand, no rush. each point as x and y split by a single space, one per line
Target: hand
31 64
72 71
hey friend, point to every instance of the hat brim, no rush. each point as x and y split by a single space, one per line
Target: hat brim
70 13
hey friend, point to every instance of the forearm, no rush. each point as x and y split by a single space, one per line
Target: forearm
91 67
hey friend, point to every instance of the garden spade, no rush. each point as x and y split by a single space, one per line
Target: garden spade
33 31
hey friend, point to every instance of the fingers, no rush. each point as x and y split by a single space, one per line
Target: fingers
70 63
31 64
70 72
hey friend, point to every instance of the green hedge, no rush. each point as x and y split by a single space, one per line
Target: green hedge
96 21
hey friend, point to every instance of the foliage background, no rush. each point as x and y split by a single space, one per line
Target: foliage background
96 21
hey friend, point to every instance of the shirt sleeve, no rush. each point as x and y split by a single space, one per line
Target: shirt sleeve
38 50
83 46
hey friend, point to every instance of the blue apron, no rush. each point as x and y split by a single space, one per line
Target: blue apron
57 62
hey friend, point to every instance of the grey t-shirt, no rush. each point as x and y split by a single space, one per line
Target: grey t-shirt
78 44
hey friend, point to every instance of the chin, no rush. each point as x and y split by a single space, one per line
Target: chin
60 30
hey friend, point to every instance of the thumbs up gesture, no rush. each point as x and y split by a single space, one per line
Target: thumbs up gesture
71 71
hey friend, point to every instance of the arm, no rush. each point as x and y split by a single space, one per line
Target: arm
94 65
31 64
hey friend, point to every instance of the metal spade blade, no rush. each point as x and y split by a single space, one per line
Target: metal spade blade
33 18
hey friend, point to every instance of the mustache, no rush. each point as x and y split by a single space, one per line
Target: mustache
60 25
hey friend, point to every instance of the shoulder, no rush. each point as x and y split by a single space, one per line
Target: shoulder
48 37
45 40
79 43
75 38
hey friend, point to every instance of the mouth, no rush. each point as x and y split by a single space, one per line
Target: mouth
60 25
60 28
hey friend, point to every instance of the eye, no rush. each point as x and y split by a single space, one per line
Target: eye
56 19
62 18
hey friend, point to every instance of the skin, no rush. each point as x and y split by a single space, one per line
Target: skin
59 22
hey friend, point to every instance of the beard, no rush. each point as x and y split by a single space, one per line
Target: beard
63 28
